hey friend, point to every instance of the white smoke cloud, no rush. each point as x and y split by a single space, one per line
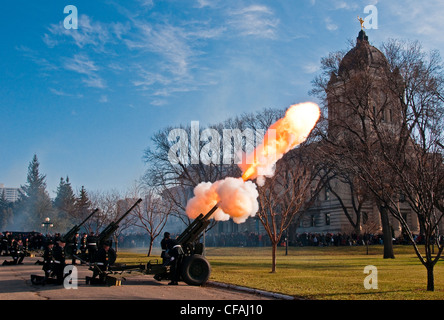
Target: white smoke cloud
238 199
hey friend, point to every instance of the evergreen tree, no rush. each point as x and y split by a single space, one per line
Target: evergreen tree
65 199
34 179
34 203
83 204
64 203
83 208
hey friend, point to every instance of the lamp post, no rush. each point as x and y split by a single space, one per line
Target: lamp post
47 224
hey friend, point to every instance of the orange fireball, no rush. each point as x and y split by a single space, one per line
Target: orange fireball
282 136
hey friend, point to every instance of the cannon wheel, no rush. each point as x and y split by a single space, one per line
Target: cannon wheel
195 270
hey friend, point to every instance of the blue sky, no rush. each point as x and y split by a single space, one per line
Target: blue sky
87 101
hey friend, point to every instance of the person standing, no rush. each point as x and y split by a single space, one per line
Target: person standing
73 248
83 243
164 255
59 260
163 244
176 253
92 246
48 260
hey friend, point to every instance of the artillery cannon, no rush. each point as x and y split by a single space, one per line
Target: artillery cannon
69 236
106 234
194 269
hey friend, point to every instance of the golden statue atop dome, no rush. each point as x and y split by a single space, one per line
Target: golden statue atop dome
361 21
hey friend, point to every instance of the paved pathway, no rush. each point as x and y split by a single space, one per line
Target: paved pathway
15 284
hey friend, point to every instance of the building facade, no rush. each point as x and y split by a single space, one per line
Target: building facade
11 194
356 100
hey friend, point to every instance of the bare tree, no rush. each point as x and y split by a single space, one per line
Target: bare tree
296 183
391 138
416 156
112 206
359 195
153 215
175 180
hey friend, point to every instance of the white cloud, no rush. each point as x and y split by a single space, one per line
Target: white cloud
60 92
146 78
177 49
34 56
95 82
82 64
424 18
167 41
330 25
159 102
205 3
146 3
311 67
344 5
254 20
89 33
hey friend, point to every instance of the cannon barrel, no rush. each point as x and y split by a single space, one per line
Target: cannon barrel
72 232
113 226
194 269
193 231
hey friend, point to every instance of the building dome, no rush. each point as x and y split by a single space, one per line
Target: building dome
362 56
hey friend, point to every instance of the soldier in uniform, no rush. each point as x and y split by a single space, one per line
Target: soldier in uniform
164 255
26 244
163 244
48 266
59 260
48 259
83 244
10 238
176 253
92 246
16 252
105 257
73 248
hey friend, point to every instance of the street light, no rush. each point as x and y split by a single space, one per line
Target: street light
47 223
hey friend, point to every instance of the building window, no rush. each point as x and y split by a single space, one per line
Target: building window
364 217
327 219
312 221
327 193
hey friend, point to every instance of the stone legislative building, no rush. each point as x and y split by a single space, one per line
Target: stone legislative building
327 215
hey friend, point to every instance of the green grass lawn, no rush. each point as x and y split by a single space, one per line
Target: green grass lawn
321 273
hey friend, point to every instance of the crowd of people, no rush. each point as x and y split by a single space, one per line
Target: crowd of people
253 239
37 241
28 241
55 248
